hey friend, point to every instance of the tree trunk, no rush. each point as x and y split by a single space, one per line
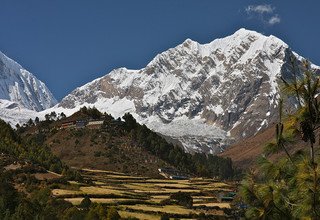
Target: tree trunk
311 153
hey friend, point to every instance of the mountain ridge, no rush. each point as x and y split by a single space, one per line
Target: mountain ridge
22 87
205 96
213 89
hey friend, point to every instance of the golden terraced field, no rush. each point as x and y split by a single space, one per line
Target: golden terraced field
142 197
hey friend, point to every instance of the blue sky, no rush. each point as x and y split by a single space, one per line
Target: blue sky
67 43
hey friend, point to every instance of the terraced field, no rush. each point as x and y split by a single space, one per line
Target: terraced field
144 198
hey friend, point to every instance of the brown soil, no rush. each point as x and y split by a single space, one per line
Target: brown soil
46 176
105 149
245 152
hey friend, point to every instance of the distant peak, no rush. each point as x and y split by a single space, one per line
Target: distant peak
189 41
21 86
190 44
9 62
244 32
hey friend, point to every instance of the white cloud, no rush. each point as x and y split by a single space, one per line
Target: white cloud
260 9
274 20
265 13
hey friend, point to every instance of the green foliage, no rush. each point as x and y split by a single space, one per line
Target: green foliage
39 205
86 202
131 123
113 214
264 195
31 149
9 197
166 202
91 112
26 210
282 190
72 174
74 213
62 115
78 133
165 217
290 187
36 120
183 198
7 134
96 212
198 163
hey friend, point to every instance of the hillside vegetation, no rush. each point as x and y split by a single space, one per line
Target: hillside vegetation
123 146
30 190
25 182
289 187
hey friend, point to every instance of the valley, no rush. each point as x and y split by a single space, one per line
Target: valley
142 192
221 130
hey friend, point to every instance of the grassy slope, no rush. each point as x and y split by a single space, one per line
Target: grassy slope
245 152
95 148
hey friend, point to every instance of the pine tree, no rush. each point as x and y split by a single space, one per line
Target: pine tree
290 187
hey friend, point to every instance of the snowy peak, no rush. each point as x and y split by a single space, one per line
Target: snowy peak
226 89
20 86
203 95
243 45
244 33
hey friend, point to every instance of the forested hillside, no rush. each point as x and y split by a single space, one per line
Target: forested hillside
118 145
29 153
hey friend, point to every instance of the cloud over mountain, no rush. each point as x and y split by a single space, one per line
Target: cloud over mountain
264 12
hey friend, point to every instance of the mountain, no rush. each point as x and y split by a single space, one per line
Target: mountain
204 95
22 87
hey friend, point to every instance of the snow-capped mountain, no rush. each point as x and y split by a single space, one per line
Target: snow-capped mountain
21 87
204 95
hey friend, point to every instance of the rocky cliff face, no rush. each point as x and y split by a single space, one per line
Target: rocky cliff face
22 87
202 95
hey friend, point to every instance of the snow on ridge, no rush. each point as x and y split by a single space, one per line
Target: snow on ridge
300 58
226 45
9 62
19 85
115 106
13 113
